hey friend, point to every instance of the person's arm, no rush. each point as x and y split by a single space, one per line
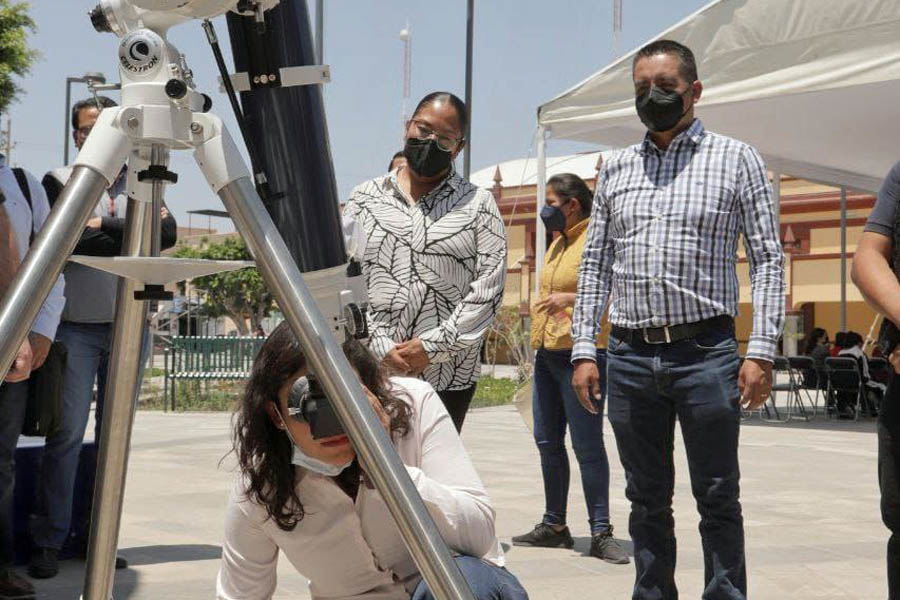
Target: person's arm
20 370
249 558
51 310
594 277
447 481
100 240
9 252
764 254
168 230
470 319
872 274
380 341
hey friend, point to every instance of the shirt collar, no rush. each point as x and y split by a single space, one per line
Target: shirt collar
452 179
575 230
694 133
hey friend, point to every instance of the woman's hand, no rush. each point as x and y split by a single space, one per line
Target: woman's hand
556 303
379 410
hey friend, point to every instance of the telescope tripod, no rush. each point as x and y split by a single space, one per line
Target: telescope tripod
155 118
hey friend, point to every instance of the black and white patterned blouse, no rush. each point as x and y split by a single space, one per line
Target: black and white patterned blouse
435 270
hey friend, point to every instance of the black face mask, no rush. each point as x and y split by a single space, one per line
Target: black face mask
425 157
660 110
553 218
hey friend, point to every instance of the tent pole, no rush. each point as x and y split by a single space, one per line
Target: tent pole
540 234
843 258
467 150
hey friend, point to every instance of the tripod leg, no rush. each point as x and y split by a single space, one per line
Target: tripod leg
121 391
220 162
53 245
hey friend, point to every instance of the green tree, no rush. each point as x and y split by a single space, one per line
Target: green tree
241 294
16 58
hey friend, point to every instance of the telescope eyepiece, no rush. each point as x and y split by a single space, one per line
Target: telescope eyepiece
99 20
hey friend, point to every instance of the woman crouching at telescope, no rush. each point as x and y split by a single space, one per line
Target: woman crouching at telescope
310 499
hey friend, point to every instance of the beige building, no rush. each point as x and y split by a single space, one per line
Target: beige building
810 232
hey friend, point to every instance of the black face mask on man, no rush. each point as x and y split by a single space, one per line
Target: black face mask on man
425 157
659 109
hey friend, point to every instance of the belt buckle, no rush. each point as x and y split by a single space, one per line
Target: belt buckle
667 340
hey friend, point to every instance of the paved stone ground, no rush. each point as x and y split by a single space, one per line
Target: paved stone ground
809 490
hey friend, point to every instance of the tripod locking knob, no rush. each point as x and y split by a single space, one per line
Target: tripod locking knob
176 89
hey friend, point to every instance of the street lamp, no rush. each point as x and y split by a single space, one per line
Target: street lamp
96 82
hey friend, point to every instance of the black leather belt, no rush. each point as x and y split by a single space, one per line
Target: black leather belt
671 333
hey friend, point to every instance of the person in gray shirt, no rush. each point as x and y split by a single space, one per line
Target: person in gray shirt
86 331
875 276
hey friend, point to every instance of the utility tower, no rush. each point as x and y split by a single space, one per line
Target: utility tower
617 26
406 38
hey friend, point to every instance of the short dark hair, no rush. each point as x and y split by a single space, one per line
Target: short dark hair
398 154
569 186
688 67
852 339
462 113
99 103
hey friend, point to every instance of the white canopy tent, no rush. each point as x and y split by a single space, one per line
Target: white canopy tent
814 85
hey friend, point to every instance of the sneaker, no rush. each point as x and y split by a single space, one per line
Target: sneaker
44 563
15 587
545 536
605 547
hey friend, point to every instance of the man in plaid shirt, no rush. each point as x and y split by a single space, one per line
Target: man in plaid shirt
661 247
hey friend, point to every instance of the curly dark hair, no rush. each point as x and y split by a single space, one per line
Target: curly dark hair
264 452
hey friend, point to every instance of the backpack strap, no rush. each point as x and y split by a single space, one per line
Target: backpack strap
26 191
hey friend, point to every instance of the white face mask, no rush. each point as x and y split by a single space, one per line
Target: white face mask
315 465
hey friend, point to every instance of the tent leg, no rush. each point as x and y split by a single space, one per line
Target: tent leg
843 258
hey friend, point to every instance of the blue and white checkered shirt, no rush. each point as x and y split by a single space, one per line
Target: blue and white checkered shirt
663 238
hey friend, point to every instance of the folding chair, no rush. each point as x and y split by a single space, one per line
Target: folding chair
791 387
844 376
809 377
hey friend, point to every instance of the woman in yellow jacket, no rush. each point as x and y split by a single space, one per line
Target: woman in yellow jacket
554 403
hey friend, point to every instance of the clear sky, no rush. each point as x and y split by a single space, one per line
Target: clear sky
525 53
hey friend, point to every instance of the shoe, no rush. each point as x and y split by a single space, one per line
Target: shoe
545 536
121 562
15 587
605 547
44 563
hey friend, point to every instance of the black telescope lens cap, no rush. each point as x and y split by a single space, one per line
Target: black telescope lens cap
99 20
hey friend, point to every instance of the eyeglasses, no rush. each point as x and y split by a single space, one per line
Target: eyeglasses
447 143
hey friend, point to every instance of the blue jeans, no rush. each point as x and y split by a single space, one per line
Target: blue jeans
88 346
555 406
694 380
488 582
13 400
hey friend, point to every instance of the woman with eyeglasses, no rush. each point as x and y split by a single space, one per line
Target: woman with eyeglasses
433 252
308 497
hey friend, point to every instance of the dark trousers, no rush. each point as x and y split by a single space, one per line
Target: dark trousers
457 404
889 480
555 408
695 381
13 400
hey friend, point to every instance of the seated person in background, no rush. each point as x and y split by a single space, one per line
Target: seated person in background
840 342
817 349
874 390
310 499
